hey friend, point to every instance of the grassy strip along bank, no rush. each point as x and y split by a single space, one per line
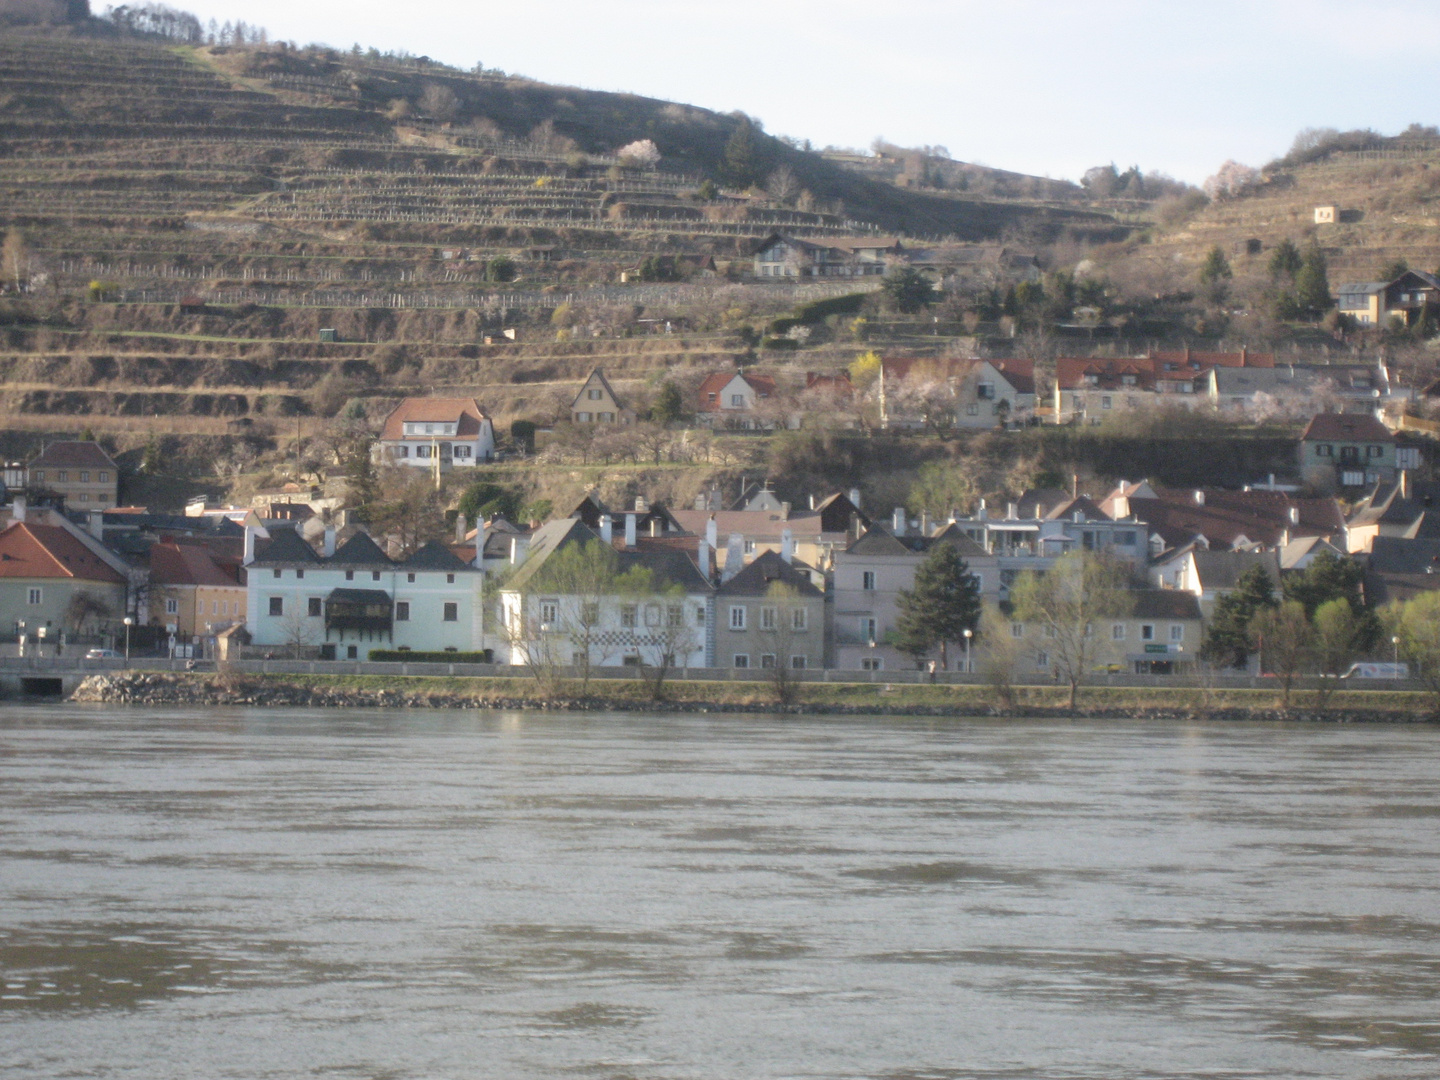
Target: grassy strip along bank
864 699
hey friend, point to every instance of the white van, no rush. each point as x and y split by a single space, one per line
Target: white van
1377 671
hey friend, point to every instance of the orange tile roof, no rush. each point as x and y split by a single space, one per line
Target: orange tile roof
191 564
48 551
464 413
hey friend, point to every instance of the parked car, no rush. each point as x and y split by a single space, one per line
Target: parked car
102 654
1377 671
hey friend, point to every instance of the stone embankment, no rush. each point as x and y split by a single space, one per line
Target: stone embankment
154 688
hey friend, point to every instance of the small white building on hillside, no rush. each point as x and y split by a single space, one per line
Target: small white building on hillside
443 433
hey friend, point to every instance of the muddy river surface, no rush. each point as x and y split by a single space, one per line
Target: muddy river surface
252 893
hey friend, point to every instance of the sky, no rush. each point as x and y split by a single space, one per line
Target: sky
1050 87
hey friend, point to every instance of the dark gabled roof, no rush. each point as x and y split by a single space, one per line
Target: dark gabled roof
435 556
668 567
360 550
878 540
769 568
285 546
1222 569
1400 569
1165 604
547 540
1079 504
73 454
1347 427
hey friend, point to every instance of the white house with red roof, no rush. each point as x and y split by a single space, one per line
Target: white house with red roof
736 400
437 433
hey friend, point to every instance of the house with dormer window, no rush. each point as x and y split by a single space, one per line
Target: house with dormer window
437 433
598 403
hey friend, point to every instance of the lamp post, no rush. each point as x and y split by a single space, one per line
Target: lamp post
129 622
968 634
1395 641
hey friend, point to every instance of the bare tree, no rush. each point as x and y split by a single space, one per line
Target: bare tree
783 626
86 612
676 634
439 102
783 185
298 630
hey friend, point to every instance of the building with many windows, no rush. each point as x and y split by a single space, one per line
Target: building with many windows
597 403
438 434
770 614
83 474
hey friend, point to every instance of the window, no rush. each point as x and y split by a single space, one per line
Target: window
699 615
277 605
1373 451
214 607
1177 631
799 619
34 597
1042 661
1117 632
972 409
767 618
299 574
1147 632
277 573
104 476
767 661
592 395
737 618
84 497
172 607
463 451
797 663
742 660
627 616
402 611
737 401
582 418
749 547
985 391
352 652
867 580
630 661
605 417
422 451
451 612
402 450
374 575
867 630
39 475
549 612
410 578
675 617
349 575
63 474
1017 630
872 663
590 613
84 476
1324 450
652 615
1105 402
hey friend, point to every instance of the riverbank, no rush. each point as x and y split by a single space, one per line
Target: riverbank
852 699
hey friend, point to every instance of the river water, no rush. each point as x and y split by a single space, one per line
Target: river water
250 893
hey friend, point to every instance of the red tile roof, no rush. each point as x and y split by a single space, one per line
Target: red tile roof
763 385
1109 372
48 551
191 564
465 413
1347 427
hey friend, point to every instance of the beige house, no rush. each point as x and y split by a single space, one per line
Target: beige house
770 615
50 580
194 590
597 403
84 474
1161 636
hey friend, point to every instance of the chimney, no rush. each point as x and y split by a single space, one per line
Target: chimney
517 550
980 512
784 511
654 526
1199 497
607 529
459 528
95 524
479 545
1121 505
855 498
1010 511
1285 538
1294 515
330 537
734 557
712 532
924 522
702 557
629 530
702 502
1124 487
787 547
249 556
641 507
17 508
812 502
1404 483
897 521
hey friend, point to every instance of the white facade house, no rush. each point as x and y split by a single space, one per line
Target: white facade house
343 604
438 434
673 623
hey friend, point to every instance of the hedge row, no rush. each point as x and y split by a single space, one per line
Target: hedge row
387 656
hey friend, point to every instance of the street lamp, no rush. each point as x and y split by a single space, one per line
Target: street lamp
21 625
1395 672
40 645
968 634
129 622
